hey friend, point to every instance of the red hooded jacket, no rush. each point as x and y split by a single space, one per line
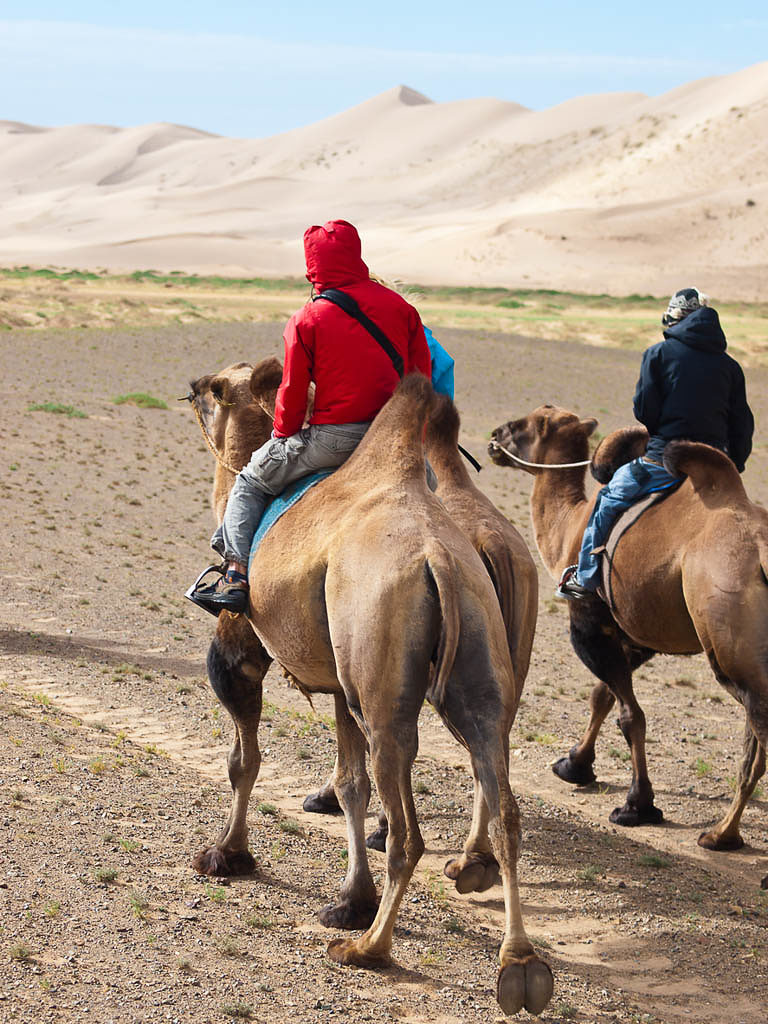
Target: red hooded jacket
353 375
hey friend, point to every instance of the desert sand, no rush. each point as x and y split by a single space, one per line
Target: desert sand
617 193
113 746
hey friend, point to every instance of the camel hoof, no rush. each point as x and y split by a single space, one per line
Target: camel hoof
349 916
510 988
473 876
529 984
539 986
347 952
220 863
378 840
322 802
711 841
630 817
571 771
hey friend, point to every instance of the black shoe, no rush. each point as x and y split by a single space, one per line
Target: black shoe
227 593
569 586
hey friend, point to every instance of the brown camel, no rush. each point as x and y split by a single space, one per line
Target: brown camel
690 576
234 424
366 589
515 579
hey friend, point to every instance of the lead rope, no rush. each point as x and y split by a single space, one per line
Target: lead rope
211 445
538 465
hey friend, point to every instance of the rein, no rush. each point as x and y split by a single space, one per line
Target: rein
209 441
538 465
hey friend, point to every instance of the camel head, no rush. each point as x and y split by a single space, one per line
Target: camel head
546 435
234 424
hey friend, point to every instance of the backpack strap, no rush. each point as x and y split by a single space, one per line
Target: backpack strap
351 308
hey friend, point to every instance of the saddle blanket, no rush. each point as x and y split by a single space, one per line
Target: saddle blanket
279 505
626 520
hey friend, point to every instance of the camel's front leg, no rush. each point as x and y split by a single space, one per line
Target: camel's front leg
576 766
598 643
725 835
324 800
358 903
392 754
236 672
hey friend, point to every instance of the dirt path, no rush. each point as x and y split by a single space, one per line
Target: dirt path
113 748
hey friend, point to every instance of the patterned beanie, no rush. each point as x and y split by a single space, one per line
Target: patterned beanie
682 303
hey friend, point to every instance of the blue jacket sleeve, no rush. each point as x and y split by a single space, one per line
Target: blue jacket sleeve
442 366
648 397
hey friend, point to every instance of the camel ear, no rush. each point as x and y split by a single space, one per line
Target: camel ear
589 425
221 389
543 427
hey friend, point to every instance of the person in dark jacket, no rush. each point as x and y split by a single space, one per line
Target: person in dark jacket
353 376
689 388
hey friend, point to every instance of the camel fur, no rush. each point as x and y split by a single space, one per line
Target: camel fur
367 590
689 576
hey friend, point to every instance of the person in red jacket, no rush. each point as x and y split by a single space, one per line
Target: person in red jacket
353 376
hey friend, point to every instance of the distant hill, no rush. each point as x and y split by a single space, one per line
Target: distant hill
618 192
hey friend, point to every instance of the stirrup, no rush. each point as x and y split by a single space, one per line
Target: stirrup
201 602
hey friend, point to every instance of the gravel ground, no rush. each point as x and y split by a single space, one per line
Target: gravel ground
112 750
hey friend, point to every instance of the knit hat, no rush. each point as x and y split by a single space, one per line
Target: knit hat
682 303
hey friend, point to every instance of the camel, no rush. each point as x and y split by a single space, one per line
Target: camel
515 579
689 576
388 604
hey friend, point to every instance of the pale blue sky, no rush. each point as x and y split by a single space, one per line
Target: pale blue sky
253 68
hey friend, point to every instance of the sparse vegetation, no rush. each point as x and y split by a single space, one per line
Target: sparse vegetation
140 399
58 408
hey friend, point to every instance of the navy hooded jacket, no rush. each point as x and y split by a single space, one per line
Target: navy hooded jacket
689 388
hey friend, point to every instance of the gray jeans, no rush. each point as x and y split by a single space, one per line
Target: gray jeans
272 467
275 465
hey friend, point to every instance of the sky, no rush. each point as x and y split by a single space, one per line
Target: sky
253 69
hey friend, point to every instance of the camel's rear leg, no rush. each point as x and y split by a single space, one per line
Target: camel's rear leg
393 750
524 979
237 664
358 903
725 835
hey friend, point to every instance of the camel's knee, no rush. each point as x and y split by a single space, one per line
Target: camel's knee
414 848
352 790
243 762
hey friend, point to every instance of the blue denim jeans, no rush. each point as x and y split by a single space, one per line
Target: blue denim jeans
628 485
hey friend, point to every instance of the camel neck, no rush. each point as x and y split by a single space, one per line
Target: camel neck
558 513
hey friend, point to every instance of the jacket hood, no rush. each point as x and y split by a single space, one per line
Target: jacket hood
700 329
332 254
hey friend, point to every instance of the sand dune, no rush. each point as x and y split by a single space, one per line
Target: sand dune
616 192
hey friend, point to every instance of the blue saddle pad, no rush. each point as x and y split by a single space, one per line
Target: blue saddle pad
283 502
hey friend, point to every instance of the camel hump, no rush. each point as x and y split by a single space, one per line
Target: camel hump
709 470
393 447
618 448
444 423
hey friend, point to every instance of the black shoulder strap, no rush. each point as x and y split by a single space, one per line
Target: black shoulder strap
348 304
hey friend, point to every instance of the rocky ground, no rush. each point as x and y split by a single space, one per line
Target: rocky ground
112 747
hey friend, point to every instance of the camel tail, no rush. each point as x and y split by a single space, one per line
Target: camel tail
441 568
498 562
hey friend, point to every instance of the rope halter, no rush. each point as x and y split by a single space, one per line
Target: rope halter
538 465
